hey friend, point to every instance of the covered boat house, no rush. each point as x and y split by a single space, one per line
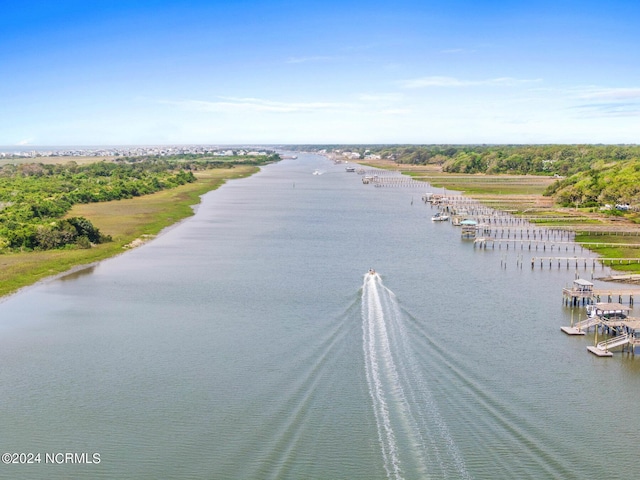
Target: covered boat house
581 290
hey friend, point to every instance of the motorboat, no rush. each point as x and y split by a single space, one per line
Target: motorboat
372 271
608 311
440 217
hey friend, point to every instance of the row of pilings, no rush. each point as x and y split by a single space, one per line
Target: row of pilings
501 230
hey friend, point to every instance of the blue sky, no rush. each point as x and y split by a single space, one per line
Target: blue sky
252 71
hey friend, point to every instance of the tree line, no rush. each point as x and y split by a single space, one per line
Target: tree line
35 197
588 175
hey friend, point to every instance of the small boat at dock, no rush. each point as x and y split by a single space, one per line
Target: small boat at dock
440 217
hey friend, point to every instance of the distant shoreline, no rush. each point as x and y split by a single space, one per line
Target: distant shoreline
130 222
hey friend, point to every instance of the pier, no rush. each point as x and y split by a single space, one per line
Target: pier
382 178
612 321
543 243
585 261
583 292
537 244
627 337
493 229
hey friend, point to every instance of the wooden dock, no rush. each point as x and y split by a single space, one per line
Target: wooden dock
586 295
600 294
582 327
611 319
573 331
609 315
485 241
627 341
582 260
572 297
599 352
391 180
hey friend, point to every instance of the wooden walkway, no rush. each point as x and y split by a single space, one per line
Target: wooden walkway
486 240
627 341
597 295
570 261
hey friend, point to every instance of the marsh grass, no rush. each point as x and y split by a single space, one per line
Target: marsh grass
608 249
486 184
125 220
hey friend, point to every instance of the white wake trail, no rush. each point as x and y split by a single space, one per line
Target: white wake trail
379 366
413 435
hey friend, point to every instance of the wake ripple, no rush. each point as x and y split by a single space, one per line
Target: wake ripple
414 439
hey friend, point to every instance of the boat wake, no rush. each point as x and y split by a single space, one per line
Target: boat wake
414 439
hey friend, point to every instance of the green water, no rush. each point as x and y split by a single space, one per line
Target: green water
250 343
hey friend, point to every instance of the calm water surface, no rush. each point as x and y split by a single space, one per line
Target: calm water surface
248 343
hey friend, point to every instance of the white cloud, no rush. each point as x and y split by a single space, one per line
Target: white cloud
436 81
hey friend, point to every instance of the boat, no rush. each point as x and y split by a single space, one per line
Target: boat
608 311
350 169
317 172
440 217
372 271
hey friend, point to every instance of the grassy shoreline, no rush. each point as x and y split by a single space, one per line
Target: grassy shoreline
130 222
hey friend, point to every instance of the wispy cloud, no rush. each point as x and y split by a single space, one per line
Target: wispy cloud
435 81
595 93
385 102
607 101
614 109
232 104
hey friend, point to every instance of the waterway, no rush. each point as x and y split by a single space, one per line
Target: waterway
250 342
